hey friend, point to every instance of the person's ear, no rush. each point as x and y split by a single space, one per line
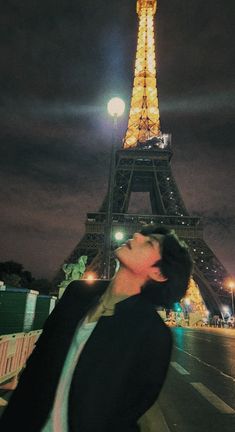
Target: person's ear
155 274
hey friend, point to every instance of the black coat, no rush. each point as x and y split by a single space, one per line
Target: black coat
119 374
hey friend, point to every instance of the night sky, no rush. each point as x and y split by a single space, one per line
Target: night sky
61 61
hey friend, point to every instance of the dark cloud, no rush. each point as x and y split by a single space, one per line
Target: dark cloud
61 62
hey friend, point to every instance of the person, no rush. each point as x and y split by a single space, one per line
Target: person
103 355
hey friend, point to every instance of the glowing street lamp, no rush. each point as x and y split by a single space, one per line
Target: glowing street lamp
231 285
116 107
119 235
226 309
90 277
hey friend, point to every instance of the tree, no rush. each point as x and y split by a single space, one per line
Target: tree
26 279
44 286
13 273
10 267
11 279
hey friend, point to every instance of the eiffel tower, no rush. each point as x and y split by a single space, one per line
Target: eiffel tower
143 164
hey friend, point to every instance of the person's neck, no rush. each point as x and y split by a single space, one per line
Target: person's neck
126 283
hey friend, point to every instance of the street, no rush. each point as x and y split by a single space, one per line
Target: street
199 393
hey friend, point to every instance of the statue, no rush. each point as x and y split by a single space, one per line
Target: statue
73 271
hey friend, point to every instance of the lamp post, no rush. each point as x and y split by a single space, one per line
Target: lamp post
231 285
116 108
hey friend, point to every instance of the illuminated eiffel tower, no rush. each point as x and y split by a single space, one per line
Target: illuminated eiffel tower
143 165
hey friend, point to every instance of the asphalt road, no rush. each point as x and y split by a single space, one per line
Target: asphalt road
199 392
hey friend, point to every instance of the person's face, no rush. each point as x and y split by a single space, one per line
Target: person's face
140 254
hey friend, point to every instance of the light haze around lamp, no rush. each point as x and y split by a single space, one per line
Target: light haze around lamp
226 309
119 235
116 107
230 283
90 277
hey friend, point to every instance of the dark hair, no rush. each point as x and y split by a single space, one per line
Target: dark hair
176 265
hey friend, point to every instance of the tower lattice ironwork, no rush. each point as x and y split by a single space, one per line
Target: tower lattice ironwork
143 165
144 122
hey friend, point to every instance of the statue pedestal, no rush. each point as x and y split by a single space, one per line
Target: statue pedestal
61 292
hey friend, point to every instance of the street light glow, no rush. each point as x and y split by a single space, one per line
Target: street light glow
90 277
116 107
119 235
231 283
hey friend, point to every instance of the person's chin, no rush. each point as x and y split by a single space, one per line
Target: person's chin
119 253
